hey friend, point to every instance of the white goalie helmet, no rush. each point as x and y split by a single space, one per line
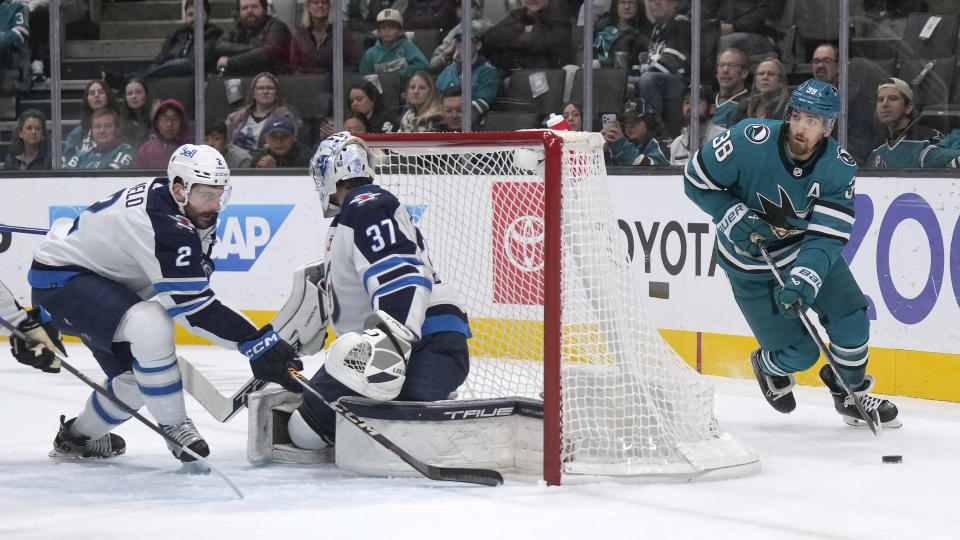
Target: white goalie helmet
340 156
199 164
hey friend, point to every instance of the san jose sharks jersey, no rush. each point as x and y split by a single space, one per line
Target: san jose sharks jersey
138 238
376 258
808 205
917 146
119 157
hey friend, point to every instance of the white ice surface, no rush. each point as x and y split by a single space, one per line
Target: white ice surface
820 479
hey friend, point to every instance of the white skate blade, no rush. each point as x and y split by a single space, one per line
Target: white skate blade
856 422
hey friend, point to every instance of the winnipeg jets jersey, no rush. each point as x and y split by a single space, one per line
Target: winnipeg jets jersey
9 309
138 238
376 258
809 205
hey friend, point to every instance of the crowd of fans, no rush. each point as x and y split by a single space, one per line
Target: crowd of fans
649 40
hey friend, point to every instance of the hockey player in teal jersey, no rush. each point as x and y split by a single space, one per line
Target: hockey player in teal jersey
790 186
908 143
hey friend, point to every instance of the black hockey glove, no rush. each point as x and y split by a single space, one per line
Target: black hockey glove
270 356
42 354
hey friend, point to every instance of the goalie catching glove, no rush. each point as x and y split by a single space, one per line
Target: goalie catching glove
373 363
270 356
42 354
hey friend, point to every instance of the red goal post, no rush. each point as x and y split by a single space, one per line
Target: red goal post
520 223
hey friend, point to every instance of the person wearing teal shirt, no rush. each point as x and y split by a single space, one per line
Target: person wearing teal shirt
392 51
786 185
632 139
109 151
908 143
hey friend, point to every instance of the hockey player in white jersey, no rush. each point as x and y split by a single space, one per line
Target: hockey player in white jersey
128 267
401 333
37 326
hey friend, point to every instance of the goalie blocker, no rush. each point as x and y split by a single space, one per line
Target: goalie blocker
504 434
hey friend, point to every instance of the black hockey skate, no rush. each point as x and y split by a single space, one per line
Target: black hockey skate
777 389
884 409
186 434
68 445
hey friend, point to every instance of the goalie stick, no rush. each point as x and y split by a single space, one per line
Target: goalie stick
486 477
222 408
872 422
103 392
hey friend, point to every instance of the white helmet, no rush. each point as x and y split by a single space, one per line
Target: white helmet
340 156
199 164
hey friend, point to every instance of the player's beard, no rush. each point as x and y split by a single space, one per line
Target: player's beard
201 220
799 149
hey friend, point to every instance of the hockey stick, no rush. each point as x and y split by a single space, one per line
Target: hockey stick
870 420
27 230
222 408
486 477
103 392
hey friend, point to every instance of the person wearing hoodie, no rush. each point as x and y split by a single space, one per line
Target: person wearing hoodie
172 131
392 51
485 80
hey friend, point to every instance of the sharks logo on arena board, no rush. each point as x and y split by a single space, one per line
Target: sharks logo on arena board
244 231
757 133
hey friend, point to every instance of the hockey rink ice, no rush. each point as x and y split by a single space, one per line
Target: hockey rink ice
819 479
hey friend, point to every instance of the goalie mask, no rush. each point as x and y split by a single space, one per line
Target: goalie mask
198 164
340 156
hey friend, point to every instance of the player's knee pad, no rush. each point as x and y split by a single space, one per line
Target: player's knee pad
799 356
849 331
149 330
374 363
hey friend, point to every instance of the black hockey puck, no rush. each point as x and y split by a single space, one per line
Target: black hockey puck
892 459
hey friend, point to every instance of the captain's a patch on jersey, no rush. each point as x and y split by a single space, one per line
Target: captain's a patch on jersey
364 197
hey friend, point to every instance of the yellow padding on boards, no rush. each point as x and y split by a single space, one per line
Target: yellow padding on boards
919 374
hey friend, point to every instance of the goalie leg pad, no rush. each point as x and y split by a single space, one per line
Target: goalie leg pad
303 319
373 363
268 438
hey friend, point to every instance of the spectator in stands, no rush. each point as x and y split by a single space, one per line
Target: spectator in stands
138 110
680 146
171 130
423 102
443 54
176 54
451 105
441 15
733 68
769 99
283 149
97 95
366 99
743 24
536 35
39 39
573 114
109 152
392 51
355 123
259 42
30 149
311 50
909 143
485 79
14 30
635 143
618 31
362 14
659 73
215 135
264 99
826 63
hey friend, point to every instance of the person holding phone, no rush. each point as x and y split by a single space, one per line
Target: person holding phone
631 139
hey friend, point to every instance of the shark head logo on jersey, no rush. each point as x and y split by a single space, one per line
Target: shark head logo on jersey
340 156
757 133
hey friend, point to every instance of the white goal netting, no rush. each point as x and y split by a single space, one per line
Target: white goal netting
630 405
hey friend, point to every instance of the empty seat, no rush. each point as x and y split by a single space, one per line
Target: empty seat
308 95
520 90
178 88
216 104
509 121
944 118
609 89
940 43
425 39
930 80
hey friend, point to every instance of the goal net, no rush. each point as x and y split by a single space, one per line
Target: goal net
520 223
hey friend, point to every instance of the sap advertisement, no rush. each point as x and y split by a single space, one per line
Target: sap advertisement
904 251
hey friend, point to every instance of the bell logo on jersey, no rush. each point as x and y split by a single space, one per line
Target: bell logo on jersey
518 232
244 231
